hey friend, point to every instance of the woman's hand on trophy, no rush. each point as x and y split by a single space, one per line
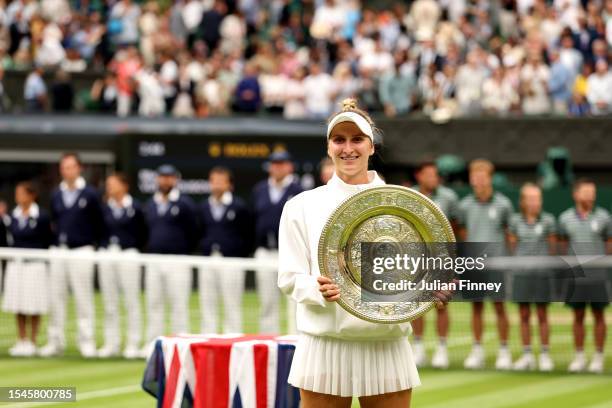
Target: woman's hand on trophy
329 290
443 296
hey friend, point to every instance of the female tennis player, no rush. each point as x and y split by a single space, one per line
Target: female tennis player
338 355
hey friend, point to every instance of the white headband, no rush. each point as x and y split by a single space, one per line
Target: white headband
356 118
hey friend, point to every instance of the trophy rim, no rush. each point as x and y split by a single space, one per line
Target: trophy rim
323 250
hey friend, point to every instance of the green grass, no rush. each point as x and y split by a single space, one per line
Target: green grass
103 383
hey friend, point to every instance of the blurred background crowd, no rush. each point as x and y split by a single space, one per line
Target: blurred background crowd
197 58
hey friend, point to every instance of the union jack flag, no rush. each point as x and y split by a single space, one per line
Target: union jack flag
221 371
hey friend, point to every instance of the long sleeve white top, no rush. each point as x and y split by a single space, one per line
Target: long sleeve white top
301 224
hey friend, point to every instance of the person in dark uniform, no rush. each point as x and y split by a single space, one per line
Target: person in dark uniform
78 223
226 231
269 197
127 233
173 229
27 281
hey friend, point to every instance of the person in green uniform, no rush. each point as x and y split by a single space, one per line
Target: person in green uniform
588 231
532 233
428 183
483 216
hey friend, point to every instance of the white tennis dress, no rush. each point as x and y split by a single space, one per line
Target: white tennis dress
337 353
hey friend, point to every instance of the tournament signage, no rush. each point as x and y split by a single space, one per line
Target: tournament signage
195 155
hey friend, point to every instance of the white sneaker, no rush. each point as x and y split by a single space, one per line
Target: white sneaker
440 358
108 351
476 358
418 351
131 352
597 364
51 350
578 364
18 349
29 349
526 362
545 363
88 350
504 359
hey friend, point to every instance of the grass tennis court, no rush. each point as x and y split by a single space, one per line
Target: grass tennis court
103 383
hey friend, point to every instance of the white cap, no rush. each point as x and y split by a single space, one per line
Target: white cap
357 119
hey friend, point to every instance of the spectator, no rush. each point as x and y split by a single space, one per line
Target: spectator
319 90
168 78
570 57
149 25
559 83
50 52
127 63
62 92
378 62
328 20
295 107
210 24
191 12
248 91
347 85
73 62
104 93
600 51
424 16
469 80
498 95
397 88
123 23
274 90
35 92
599 89
150 93
183 107
534 86
233 30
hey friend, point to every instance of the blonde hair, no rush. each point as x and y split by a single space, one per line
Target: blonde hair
350 105
482 165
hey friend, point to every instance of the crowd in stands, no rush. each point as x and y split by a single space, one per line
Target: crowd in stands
197 58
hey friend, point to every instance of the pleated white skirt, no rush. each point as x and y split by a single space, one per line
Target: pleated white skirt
26 288
353 368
